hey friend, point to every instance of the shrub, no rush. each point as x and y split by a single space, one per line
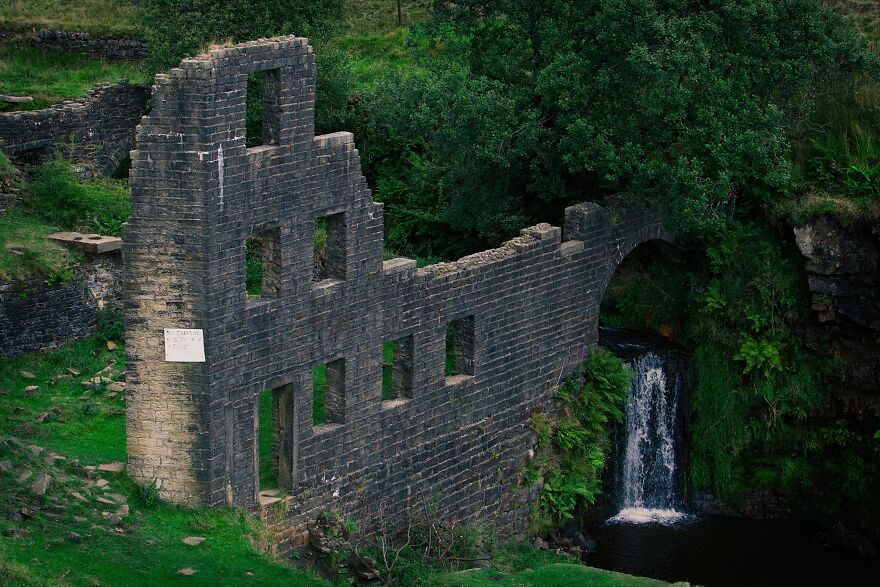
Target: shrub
589 401
58 197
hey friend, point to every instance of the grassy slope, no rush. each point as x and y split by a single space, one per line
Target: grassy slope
24 250
147 548
52 76
553 575
106 17
56 200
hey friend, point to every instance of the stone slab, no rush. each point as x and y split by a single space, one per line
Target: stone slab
89 243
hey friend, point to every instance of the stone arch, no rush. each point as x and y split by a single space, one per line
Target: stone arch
614 231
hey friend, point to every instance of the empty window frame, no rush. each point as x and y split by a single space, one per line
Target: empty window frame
330 249
397 369
328 393
460 347
262 108
262 265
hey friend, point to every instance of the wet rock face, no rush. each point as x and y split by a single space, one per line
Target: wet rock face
843 274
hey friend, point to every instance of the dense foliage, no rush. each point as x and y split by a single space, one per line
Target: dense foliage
522 107
182 28
738 115
572 446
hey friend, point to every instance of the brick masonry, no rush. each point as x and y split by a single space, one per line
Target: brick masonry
529 306
95 129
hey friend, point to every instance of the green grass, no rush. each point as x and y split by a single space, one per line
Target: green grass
520 565
556 575
380 16
91 430
24 250
841 141
319 385
387 370
58 197
104 17
56 200
52 76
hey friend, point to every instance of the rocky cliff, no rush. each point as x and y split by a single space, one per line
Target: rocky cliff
842 264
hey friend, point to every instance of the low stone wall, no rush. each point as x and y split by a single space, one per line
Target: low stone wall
97 129
111 49
35 316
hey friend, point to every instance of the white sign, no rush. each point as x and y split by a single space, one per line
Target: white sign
185 345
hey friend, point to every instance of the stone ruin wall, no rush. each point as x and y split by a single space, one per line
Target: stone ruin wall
36 315
96 129
110 48
523 312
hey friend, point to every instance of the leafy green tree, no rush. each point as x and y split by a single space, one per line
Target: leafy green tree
691 102
445 152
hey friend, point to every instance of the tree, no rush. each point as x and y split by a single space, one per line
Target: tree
691 102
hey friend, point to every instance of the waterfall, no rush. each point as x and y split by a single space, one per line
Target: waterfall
648 472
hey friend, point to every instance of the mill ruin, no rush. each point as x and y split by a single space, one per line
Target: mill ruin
521 315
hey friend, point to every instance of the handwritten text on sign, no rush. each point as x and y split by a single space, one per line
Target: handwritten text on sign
184 345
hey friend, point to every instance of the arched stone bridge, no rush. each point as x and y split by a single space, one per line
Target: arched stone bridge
521 314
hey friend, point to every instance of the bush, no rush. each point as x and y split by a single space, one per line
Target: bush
111 325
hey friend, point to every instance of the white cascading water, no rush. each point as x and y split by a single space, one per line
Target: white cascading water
649 459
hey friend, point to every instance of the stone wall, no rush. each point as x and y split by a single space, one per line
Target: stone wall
111 49
35 316
96 129
843 273
522 313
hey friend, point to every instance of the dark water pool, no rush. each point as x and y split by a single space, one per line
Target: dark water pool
719 551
